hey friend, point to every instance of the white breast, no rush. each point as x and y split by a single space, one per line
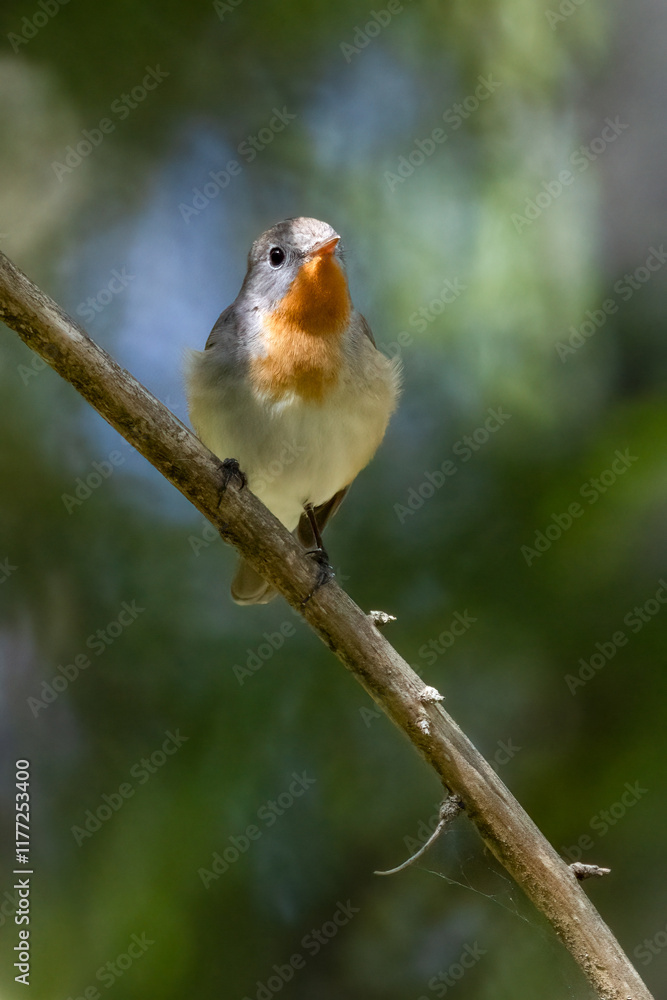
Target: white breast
295 451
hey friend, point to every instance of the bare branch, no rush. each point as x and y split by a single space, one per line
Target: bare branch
504 826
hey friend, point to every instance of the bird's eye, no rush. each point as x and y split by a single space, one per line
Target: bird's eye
276 256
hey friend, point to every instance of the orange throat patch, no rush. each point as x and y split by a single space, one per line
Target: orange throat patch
303 334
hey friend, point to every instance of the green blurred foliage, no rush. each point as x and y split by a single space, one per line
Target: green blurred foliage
424 547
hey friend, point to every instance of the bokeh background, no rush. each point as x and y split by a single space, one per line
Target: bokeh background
556 323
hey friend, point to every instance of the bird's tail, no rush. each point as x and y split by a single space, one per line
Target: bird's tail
248 587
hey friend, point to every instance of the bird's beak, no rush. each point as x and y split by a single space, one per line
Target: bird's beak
324 248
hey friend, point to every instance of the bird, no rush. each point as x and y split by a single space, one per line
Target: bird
292 386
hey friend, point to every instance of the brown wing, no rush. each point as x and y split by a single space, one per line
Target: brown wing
304 532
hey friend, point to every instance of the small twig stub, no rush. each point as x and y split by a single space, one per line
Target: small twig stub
430 695
588 871
380 618
449 810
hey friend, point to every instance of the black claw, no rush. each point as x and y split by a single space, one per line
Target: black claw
320 555
231 470
325 571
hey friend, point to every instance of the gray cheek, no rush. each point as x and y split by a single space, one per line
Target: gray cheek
269 285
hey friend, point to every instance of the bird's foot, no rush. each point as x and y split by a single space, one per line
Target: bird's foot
231 470
325 570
